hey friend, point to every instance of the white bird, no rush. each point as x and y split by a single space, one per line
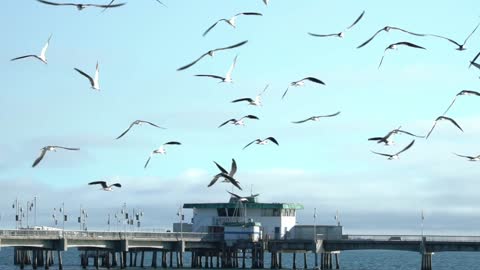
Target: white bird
42 57
53 148
238 122
232 21
262 142
386 139
387 29
302 83
395 156
80 6
105 186
462 93
460 47
160 150
341 34
138 122
443 118
315 118
228 76
255 102
394 46
470 158
227 176
93 81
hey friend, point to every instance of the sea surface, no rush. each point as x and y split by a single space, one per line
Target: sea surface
349 260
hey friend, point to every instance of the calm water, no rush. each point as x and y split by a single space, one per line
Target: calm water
349 260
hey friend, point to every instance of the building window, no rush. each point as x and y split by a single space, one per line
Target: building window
288 212
229 212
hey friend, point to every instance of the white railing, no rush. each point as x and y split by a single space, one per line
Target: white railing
428 238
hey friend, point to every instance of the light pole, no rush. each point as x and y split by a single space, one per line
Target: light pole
108 221
17 217
180 214
35 211
315 225
423 218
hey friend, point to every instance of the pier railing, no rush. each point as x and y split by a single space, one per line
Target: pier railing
429 238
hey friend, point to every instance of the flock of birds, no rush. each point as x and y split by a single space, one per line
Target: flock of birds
228 176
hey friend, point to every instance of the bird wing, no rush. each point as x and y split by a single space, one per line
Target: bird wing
25 56
257 140
161 3
449 39
312 79
249 13
381 60
468 92
370 39
86 75
211 27
103 183
406 147
330 115
226 122
42 154
221 168
471 34
453 122
232 180
357 20
475 65
95 79
211 76
234 195
125 132
172 143
192 63
66 148
434 124
44 49
214 180
408 133
233 168
230 70
56 4
105 6
242 99
405 31
382 154
474 59
285 92
146 163
232 46
409 44
376 139
470 157
320 35
264 89
250 117
116 185
150 123
451 104
302 121
272 139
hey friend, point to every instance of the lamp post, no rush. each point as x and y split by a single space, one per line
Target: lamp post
315 225
82 219
423 218
17 217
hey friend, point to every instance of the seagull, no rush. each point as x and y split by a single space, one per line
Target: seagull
262 142
212 53
341 34
470 158
44 150
105 186
462 93
316 118
42 57
302 83
232 20
443 118
228 76
395 156
160 150
81 6
138 122
386 139
394 47
238 122
387 29
243 198
460 46
255 102
227 176
93 81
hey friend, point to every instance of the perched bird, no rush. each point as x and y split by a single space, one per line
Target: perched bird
105 186
462 93
443 118
227 176
42 57
212 53
81 6
53 148
386 139
460 47
316 118
93 81
470 158
395 156
302 83
255 102
228 76
387 29
138 122
160 150
262 142
232 21
238 122
394 47
341 34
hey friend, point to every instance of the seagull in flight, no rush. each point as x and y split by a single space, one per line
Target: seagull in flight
53 148
460 47
443 118
160 150
226 175
243 198
254 102
228 76
93 81
238 122
394 46
470 158
316 118
386 139
232 21
212 53
262 142
396 156
105 186
81 6
462 93
341 34
42 57
387 29
302 83
138 122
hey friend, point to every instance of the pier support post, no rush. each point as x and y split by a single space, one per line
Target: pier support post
294 261
142 259
60 262
426 261
337 262
305 266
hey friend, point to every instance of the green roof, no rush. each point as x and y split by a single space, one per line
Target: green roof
295 206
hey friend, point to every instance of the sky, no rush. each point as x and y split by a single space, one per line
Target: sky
327 165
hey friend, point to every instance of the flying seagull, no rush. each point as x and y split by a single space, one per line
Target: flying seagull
212 53
395 156
460 47
255 102
302 83
228 76
42 57
93 81
160 150
394 46
462 93
232 20
138 122
243 198
81 6
341 34
316 118
227 176
386 139
105 186
443 118
262 142
387 29
238 122
470 158
53 148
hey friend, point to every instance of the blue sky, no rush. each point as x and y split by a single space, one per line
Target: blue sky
326 164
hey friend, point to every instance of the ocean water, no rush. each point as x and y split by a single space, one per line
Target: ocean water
349 260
